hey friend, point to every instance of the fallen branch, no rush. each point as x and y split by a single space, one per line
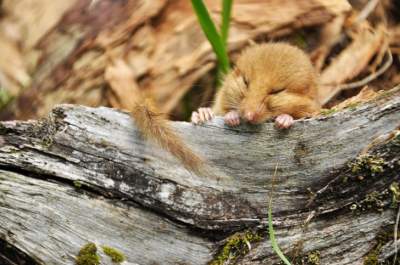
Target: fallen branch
85 174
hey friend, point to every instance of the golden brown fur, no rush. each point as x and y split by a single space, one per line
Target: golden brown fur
153 125
269 80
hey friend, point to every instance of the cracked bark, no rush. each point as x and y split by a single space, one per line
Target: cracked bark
139 199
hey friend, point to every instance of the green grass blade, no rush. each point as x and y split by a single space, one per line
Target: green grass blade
271 231
226 18
272 236
211 33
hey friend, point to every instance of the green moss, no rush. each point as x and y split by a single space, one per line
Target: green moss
235 246
383 236
372 201
353 106
115 255
44 129
88 255
328 112
371 258
379 200
310 258
367 163
395 189
375 200
77 184
89 248
47 142
313 258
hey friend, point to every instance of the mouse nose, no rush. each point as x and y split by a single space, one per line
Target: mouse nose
250 116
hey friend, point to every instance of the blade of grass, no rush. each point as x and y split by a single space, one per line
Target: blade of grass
211 33
271 231
226 18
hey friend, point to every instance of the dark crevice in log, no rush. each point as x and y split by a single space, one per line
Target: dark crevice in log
371 172
115 195
61 220
91 190
46 147
11 255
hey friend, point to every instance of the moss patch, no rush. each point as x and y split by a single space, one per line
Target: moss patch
44 130
384 236
367 164
115 255
328 112
371 259
236 245
395 189
310 258
88 255
353 106
77 184
365 167
313 258
372 201
379 200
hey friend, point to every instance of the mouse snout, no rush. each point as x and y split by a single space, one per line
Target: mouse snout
250 116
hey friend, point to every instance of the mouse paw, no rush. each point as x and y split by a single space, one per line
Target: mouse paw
232 118
202 115
284 121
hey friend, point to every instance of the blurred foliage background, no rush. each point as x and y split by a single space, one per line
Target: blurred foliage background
55 51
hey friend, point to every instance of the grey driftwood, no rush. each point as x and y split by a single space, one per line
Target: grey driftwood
86 175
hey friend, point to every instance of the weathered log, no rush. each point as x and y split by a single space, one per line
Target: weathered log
176 217
52 221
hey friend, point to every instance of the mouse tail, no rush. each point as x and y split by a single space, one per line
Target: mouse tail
154 127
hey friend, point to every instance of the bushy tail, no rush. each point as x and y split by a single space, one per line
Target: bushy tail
149 120
154 126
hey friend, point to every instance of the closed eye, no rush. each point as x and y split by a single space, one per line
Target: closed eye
276 90
246 81
238 73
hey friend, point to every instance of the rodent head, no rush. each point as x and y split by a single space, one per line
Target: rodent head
254 108
255 105
264 74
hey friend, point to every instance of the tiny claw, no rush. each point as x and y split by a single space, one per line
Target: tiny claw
195 118
284 121
232 118
202 115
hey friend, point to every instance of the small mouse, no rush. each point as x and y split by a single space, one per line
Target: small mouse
270 81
